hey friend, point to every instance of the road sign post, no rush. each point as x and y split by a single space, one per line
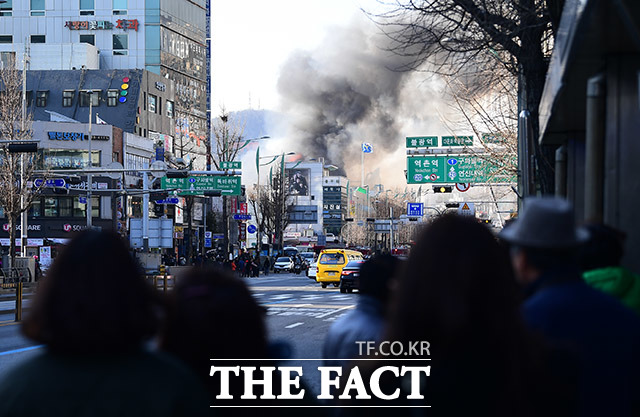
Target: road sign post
415 209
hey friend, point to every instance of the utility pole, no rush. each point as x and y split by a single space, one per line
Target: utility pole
24 210
90 165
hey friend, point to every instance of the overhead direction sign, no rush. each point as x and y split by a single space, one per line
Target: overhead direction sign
197 185
444 169
457 141
231 165
422 141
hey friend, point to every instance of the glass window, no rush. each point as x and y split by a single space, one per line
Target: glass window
41 98
6 39
86 7
83 98
170 109
90 39
120 44
7 58
68 158
51 207
152 103
67 98
332 259
65 205
79 210
95 206
36 208
6 8
37 7
119 7
38 39
112 98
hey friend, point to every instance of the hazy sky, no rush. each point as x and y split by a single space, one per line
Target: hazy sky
252 38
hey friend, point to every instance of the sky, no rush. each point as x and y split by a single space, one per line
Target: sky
251 39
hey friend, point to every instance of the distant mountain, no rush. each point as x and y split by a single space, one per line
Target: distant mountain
258 122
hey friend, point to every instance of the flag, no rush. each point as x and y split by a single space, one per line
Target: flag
99 121
258 160
367 148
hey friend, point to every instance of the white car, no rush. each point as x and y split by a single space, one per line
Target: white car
312 270
283 264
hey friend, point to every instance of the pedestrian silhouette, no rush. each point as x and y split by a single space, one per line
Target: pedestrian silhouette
94 313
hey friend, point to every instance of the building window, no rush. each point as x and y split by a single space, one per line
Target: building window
65 206
50 207
6 8
67 98
7 59
90 39
41 98
159 109
38 39
144 101
152 103
86 7
36 208
112 98
6 39
170 109
83 98
119 7
120 44
37 7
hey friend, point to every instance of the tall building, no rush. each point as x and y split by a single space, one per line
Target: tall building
165 37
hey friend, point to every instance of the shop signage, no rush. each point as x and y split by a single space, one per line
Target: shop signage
34 227
85 25
101 24
160 86
73 136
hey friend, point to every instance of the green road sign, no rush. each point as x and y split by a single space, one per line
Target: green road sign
444 169
228 185
457 141
422 141
230 165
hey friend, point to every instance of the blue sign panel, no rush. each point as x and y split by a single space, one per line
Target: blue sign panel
218 236
172 200
414 209
160 154
252 228
207 242
56 182
82 200
241 217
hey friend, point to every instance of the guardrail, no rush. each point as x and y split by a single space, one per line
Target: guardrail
13 275
12 298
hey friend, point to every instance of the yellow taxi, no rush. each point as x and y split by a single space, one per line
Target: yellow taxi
330 264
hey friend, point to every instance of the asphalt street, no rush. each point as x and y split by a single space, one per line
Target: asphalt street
299 312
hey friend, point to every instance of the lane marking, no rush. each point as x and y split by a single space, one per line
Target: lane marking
9 352
291 326
333 312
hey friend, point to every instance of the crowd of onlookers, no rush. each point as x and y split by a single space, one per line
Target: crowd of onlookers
542 320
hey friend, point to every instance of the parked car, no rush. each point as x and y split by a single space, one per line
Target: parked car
283 264
312 270
350 276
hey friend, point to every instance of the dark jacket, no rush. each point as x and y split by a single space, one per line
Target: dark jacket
602 333
618 282
136 384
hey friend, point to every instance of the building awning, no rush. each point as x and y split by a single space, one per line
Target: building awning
590 30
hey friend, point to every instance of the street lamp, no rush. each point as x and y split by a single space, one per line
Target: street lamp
258 164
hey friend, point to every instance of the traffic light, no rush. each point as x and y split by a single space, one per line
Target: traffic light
22 147
158 210
158 195
442 188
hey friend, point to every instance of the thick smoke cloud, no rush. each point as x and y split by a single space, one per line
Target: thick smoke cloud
346 92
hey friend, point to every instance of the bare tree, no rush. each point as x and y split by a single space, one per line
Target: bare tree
273 208
227 140
464 38
17 191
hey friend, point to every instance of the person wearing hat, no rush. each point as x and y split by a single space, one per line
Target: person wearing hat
601 333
